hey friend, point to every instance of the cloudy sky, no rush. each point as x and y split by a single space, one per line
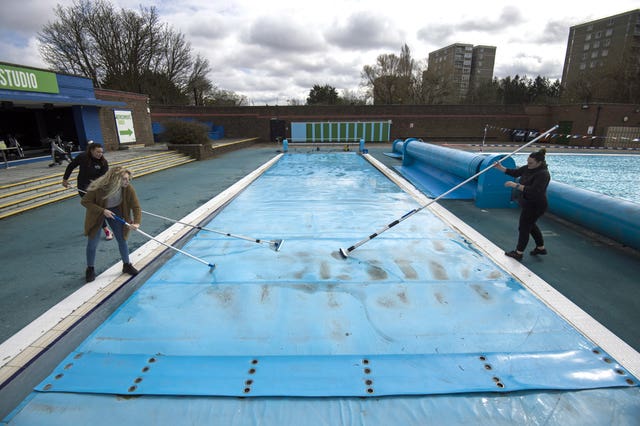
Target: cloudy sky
272 51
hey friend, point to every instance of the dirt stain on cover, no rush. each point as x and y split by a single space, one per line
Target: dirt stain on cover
407 269
438 270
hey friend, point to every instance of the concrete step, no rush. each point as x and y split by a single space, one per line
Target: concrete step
26 195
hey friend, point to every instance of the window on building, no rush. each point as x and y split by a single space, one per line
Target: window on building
611 22
586 46
594 54
584 56
606 42
593 64
605 52
598 34
587 37
608 32
590 27
583 65
596 44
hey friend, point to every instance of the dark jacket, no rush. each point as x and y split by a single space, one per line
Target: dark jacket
90 169
95 204
535 182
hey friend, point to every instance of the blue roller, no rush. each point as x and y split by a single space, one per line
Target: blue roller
396 149
460 163
609 216
435 169
397 146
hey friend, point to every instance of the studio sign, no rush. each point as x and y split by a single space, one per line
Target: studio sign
26 79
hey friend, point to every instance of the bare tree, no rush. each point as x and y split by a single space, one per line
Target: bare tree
225 97
123 50
436 89
199 85
65 46
352 97
393 79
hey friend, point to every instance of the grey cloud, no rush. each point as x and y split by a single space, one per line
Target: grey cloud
440 34
26 17
436 34
509 17
281 35
365 31
531 66
208 28
554 32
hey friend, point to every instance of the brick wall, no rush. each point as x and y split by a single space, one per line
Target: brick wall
430 122
433 122
138 104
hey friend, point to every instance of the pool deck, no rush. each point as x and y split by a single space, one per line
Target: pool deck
46 247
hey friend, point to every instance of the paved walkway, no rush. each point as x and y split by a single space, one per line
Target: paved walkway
39 166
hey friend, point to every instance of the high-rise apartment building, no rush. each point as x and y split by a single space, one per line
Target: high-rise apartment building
600 54
482 62
461 66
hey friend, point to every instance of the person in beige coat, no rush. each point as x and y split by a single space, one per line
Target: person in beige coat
109 196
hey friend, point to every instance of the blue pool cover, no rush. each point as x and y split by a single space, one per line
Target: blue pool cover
417 311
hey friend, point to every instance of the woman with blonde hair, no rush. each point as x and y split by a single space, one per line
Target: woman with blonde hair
109 196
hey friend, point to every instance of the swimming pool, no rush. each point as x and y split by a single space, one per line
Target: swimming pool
416 313
613 175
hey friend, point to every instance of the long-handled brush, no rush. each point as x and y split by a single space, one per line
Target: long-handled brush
273 244
345 252
210 265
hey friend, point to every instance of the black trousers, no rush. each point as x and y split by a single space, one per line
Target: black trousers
527 226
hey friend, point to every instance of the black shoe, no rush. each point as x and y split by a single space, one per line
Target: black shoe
128 268
536 251
90 274
514 254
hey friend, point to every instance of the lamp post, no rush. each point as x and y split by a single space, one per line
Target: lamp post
484 137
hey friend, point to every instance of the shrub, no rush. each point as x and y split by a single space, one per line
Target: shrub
185 132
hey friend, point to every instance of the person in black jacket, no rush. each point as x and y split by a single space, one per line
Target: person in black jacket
92 165
532 197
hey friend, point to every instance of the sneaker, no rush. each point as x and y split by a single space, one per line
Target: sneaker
514 254
108 235
128 268
90 274
536 251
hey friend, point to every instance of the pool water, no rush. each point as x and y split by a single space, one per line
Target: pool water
613 175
